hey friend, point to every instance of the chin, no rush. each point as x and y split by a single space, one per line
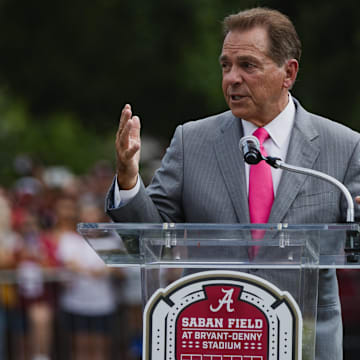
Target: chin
241 114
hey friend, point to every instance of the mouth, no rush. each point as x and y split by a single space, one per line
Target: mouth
235 97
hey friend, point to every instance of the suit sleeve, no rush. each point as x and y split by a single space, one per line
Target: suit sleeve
161 201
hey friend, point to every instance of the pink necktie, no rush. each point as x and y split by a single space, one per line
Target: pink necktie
261 190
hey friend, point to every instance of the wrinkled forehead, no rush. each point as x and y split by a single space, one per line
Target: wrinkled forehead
255 38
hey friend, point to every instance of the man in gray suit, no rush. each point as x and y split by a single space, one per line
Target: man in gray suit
203 177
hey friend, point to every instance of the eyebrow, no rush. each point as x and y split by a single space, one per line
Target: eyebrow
222 58
248 58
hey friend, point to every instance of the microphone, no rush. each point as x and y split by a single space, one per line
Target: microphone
250 147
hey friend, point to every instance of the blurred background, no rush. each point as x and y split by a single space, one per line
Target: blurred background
66 70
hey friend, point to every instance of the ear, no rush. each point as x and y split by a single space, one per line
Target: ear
291 70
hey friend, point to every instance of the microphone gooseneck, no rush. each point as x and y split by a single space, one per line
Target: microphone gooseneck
250 147
320 175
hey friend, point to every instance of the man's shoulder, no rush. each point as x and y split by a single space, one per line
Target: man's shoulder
331 129
324 126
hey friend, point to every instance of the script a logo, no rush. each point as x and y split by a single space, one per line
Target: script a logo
227 299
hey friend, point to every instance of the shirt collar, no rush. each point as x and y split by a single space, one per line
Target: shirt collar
279 128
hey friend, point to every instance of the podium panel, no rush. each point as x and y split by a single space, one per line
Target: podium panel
172 257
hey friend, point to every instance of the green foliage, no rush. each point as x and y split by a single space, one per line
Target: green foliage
54 140
88 59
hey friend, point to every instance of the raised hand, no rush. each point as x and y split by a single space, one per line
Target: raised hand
128 145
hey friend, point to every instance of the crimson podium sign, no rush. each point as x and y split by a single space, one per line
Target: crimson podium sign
222 315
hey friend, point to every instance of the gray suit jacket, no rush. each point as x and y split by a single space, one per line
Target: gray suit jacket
202 179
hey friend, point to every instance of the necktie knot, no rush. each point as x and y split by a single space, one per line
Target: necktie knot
262 134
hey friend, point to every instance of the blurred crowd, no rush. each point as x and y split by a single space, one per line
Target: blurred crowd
58 300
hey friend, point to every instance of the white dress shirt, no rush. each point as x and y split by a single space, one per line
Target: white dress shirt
276 145
121 197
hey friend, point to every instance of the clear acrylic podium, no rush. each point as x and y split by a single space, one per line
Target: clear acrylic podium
288 256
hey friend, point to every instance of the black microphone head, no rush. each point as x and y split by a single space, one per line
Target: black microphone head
252 158
250 147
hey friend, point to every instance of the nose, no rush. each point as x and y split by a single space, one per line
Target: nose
234 76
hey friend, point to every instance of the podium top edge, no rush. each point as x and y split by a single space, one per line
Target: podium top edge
217 226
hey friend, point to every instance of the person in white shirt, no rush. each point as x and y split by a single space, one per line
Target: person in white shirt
88 300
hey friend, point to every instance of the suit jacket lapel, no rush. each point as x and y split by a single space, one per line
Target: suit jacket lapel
232 165
303 151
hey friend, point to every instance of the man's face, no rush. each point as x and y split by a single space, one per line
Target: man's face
253 84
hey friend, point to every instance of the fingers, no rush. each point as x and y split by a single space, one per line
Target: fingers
125 116
135 129
357 199
131 140
128 134
131 151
